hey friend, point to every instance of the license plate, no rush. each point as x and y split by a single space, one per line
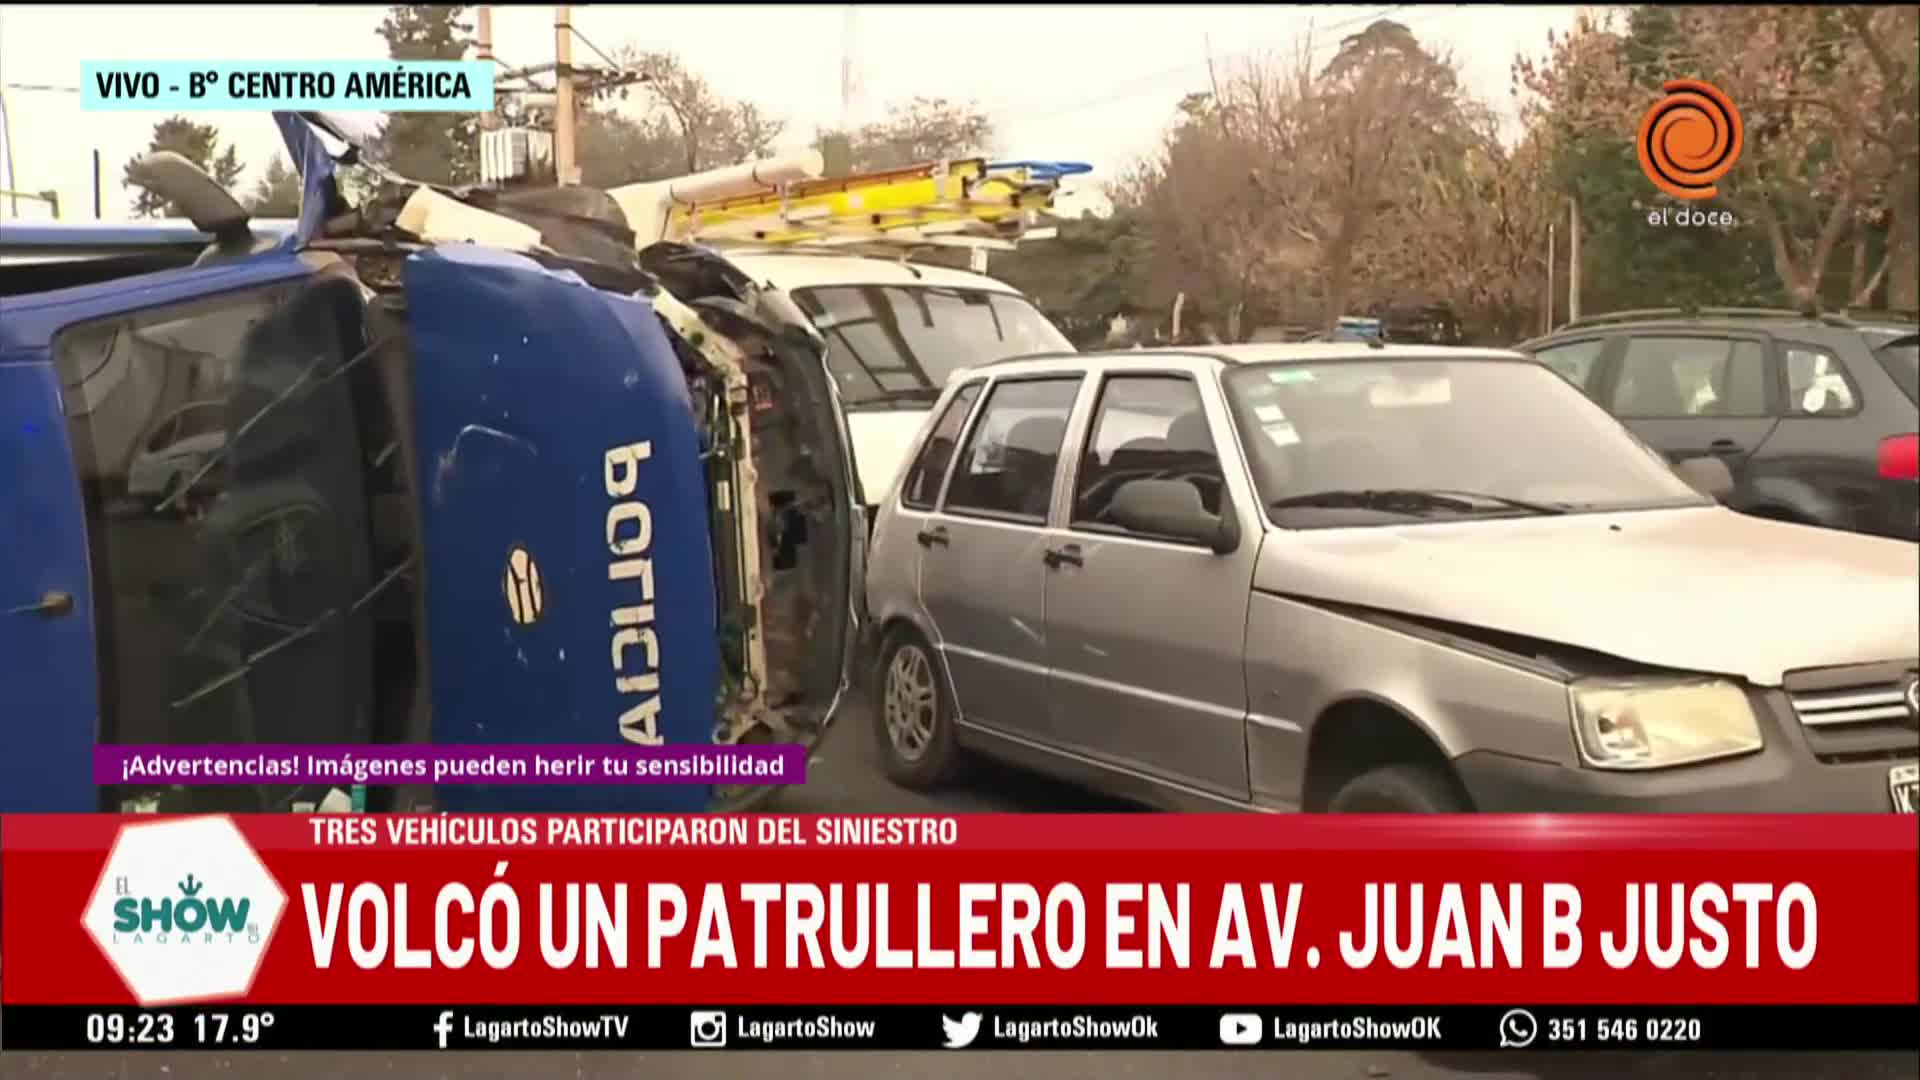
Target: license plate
1904 784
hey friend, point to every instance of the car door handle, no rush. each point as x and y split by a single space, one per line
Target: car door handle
1724 446
1068 555
53 605
930 537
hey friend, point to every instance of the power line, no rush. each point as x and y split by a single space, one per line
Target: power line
597 51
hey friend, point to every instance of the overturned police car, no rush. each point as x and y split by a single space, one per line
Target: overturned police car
433 466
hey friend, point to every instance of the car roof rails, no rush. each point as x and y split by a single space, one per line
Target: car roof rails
1903 315
1694 312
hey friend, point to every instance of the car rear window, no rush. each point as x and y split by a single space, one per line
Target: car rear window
1901 358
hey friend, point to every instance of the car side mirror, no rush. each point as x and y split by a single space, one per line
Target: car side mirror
1172 509
1708 475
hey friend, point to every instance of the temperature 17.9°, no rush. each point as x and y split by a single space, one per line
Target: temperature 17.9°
227 1029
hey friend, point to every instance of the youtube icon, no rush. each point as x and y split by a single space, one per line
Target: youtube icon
1239 1029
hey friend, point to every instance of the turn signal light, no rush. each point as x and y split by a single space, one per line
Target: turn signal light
1900 457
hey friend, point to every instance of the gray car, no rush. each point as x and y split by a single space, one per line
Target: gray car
1356 577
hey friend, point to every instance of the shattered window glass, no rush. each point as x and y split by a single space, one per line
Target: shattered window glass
223 473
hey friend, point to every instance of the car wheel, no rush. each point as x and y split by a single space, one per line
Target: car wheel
913 714
1400 789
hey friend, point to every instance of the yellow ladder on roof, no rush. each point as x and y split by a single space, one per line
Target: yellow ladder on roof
959 203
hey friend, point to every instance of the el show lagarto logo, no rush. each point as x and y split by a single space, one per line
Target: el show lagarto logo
1689 139
184 910
186 919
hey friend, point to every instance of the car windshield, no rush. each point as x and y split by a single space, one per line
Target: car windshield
896 344
1356 442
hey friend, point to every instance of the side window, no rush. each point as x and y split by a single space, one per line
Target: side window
1816 383
1008 465
1145 427
923 480
1681 377
1574 360
231 569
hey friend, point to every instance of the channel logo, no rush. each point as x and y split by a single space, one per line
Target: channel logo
184 910
1240 1029
1689 139
707 1029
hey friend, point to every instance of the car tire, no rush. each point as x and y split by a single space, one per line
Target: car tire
913 713
1400 789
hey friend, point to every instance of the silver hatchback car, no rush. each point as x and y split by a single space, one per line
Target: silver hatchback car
1355 577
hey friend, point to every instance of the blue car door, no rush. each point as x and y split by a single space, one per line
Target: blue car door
225 605
567 560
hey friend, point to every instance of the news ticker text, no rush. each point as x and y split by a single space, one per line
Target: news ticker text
962 1027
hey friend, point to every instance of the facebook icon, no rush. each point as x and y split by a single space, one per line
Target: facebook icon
444 1027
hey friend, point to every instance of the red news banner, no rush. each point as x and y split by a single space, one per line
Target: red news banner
472 910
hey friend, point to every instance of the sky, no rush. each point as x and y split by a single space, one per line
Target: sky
1084 83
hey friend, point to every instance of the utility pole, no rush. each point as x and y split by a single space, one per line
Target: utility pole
484 29
1546 317
563 88
1573 258
836 149
532 121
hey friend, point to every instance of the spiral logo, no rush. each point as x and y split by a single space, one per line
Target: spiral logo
1689 139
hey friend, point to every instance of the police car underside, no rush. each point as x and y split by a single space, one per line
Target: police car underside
609 491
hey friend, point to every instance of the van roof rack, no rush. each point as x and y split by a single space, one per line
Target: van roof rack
784 204
1690 312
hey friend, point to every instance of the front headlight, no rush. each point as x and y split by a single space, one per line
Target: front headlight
1657 724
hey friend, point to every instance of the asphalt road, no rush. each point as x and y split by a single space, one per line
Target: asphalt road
843 778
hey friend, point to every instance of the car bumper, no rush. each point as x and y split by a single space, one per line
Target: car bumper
1770 782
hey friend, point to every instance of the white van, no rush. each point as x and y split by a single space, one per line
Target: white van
895 331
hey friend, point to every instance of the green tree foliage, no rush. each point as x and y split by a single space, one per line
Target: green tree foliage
1086 277
441 148
277 193
198 143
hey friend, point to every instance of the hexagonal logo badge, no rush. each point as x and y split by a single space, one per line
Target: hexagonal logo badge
184 910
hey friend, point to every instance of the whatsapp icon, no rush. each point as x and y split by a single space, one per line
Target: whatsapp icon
1518 1029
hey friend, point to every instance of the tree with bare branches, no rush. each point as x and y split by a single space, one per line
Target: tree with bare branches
1273 184
921 130
673 123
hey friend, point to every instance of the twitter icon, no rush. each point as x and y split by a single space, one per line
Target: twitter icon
961 1032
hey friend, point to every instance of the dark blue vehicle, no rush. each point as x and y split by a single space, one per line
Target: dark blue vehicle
450 467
